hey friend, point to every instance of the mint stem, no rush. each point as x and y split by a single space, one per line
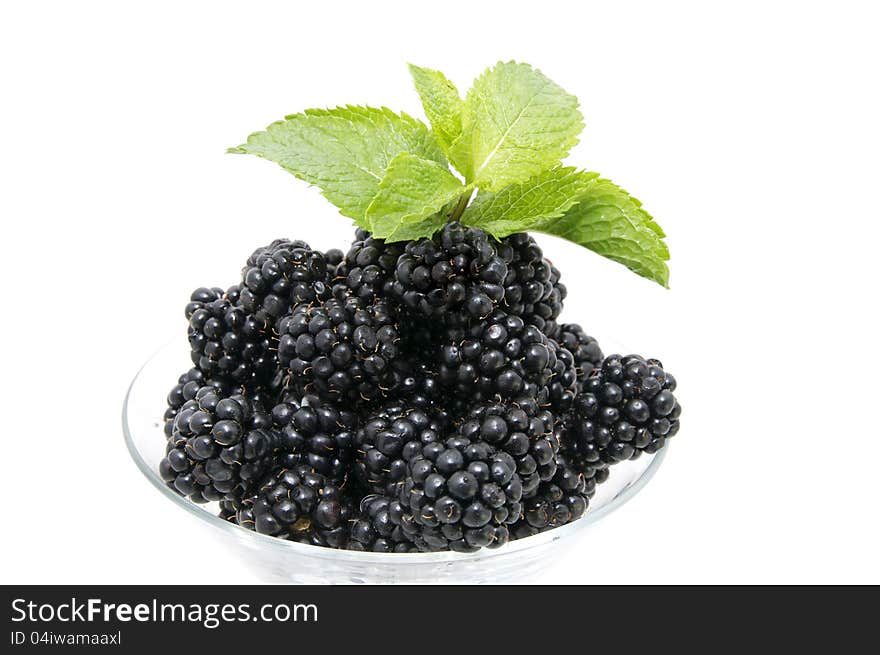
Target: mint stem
460 206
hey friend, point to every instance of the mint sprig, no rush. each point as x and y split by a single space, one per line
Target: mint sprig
390 173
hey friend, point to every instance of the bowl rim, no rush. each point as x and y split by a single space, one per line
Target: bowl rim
369 557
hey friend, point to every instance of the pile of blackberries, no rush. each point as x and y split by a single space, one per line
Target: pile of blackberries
403 397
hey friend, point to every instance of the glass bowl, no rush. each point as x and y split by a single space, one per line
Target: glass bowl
277 560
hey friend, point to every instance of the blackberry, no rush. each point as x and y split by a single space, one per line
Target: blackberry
280 276
521 429
503 356
340 350
626 407
367 269
458 495
561 500
457 271
532 288
374 531
185 389
584 348
385 439
301 505
319 434
226 341
220 446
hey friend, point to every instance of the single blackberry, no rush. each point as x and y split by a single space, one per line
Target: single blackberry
584 348
457 271
301 505
367 269
521 429
532 288
220 446
280 276
226 341
561 500
458 495
340 350
387 437
185 389
374 531
626 407
319 434
503 356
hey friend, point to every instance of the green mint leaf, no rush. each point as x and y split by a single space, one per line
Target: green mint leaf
529 205
410 199
516 123
441 102
610 222
343 151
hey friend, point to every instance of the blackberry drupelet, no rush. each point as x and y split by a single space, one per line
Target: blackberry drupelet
220 446
374 531
340 350
300 505
521 429
280 276
626 407
457 271
367 269
584 348
532 288
387 437
319 434
226 341
503 356
458 495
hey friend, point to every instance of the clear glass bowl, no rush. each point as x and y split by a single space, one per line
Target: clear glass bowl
276 560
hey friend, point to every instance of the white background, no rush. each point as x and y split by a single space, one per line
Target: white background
749 130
